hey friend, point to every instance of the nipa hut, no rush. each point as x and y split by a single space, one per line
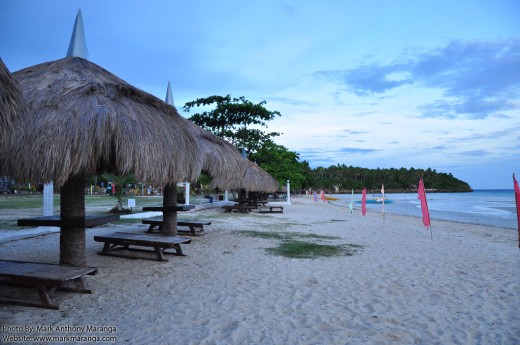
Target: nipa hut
254 179
83 120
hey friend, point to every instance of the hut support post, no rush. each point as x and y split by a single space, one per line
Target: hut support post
169 216
72 239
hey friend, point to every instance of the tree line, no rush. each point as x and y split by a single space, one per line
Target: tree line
341 178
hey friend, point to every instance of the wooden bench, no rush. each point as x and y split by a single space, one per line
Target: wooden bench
126 239
271 209
256 203
55 220
239 208
45 278
196 227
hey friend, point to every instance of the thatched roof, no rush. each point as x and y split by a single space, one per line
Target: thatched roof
84 120
255 179
12 104
220 158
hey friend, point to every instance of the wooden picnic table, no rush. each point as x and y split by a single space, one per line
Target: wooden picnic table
55 220
257 203
271 209
158 242
45 278
256 199
239 208
196 227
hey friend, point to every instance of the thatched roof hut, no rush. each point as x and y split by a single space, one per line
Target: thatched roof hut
12 107
220 158
255 179
84 120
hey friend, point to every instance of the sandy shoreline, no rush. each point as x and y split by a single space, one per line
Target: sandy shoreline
462 287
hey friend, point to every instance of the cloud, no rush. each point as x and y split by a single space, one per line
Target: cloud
355 150
352 132
494 135
478 79
476 153
369 79
331 155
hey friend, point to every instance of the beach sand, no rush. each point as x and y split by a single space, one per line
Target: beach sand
401 287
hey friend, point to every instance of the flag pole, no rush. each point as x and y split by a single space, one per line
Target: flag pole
351 204
517 201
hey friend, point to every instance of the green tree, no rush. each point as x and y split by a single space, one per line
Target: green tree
235 119
283 165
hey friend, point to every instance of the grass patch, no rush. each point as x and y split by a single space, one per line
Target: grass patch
284 236
292 246
7 222
307 250
26 201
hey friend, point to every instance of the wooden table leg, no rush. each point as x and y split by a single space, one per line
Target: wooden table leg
160 255
46 300
178 250
106 248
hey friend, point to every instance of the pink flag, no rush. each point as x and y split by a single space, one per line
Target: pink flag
383 197
424 204
517 199
364 202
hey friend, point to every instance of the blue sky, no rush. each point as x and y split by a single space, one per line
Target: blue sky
377 84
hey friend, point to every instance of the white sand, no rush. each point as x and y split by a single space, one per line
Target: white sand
462 287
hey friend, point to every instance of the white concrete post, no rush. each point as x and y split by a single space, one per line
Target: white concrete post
187 194
288 192
48 201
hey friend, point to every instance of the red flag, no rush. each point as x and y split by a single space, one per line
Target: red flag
364 202
517 199
424 204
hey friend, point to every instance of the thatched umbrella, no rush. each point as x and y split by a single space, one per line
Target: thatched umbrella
255 179
220 159
12 107
83 120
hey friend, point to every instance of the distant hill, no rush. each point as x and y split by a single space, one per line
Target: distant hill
342 178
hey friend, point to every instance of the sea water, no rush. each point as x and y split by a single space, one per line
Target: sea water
493 207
